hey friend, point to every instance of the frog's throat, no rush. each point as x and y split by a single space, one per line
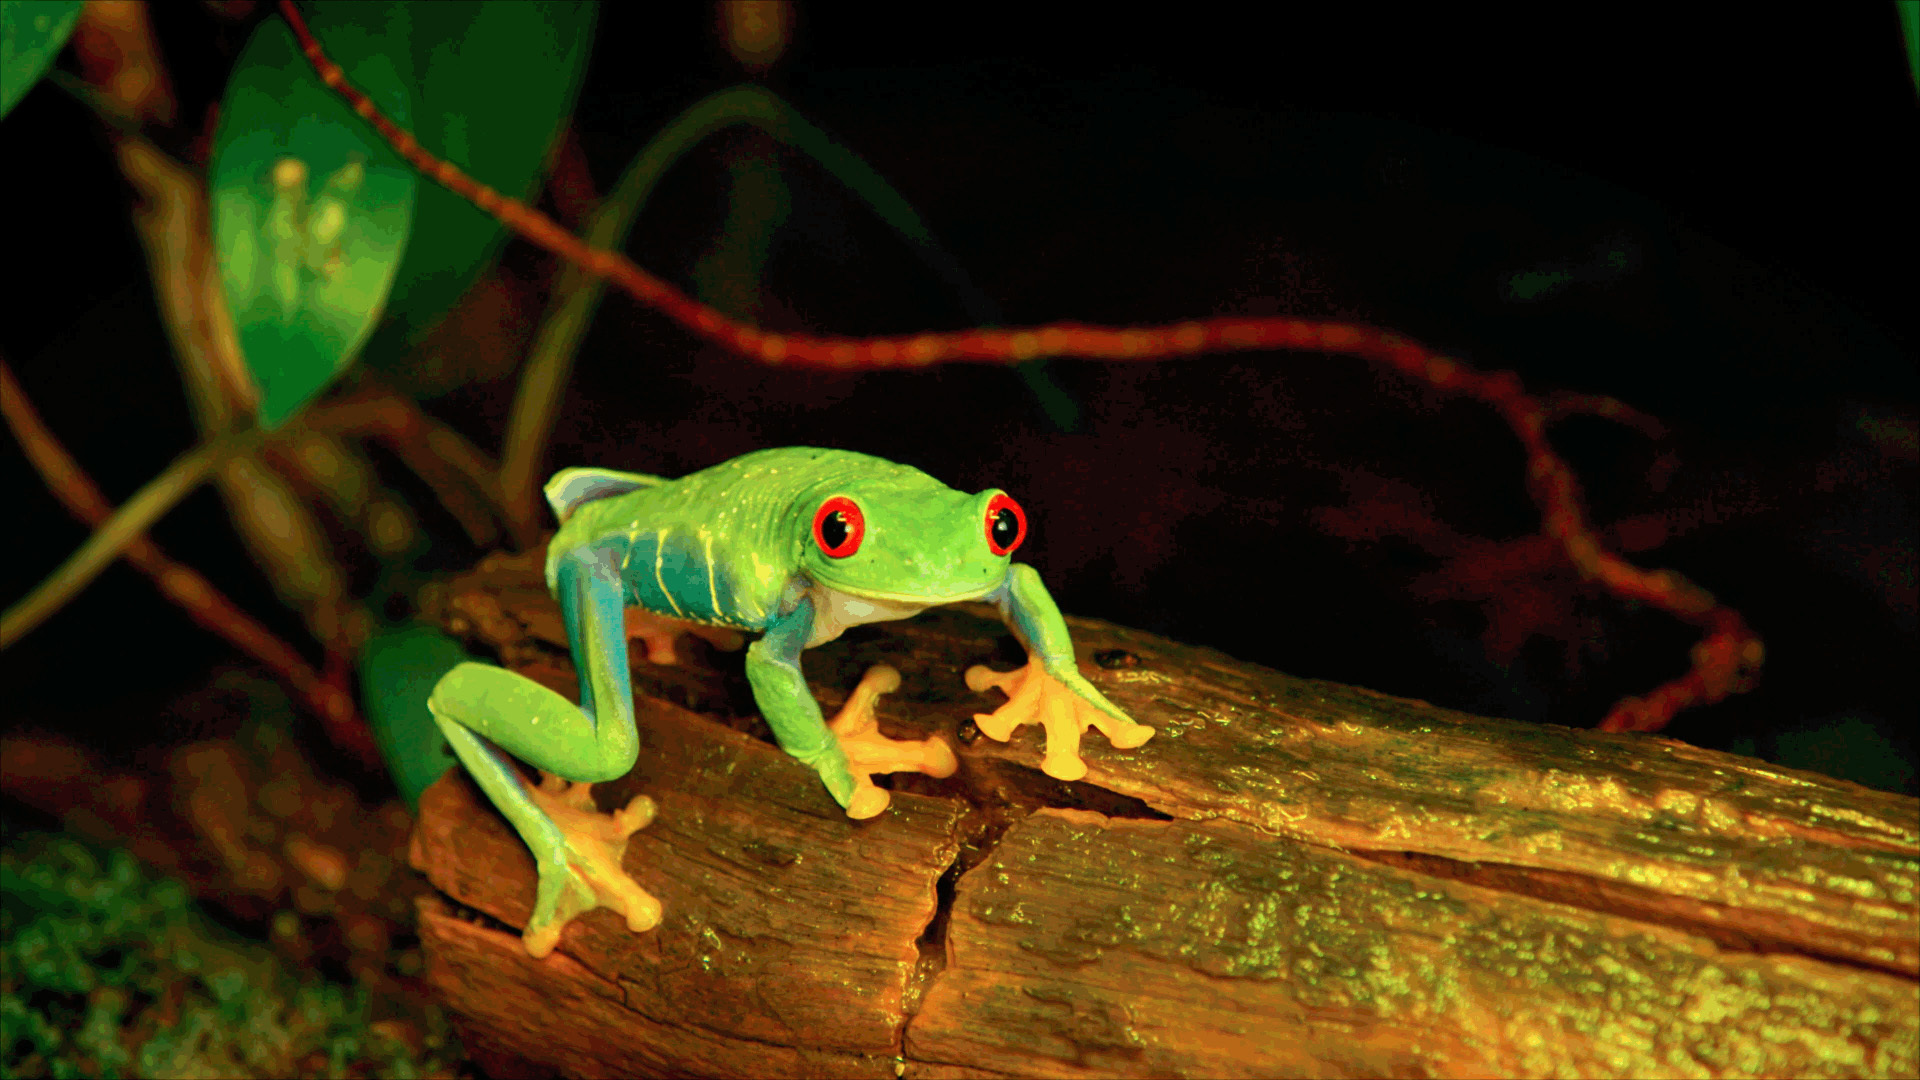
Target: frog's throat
918 600
836 609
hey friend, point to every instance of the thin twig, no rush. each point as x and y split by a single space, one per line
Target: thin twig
1562 404
1726 660
204 604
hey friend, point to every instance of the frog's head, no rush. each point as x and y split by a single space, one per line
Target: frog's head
902 535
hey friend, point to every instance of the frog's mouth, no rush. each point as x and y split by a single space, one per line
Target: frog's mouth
921 600
835 609
954 589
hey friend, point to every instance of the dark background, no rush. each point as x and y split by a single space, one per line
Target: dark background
1726 202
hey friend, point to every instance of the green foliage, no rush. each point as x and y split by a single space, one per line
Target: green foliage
728 276
110 972
1847 746
311 208
494 83
398 668
324 233
1910 36
31 35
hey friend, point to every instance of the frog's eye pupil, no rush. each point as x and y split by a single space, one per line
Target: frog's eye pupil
838 527
1006 524
1005 528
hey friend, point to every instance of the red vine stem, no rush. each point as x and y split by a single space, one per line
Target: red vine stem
328 697
1725 661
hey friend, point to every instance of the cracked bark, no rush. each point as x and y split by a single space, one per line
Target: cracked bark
1294 877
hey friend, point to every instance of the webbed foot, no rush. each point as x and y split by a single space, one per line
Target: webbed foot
586 873
1034 696
659 633
870 752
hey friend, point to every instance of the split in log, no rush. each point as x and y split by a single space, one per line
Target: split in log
1293 878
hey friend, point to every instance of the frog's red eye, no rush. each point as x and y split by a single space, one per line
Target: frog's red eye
838 527
1006 524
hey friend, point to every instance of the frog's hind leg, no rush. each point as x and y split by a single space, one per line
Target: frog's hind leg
577 851
485 710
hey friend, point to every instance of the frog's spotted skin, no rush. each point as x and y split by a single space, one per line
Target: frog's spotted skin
795 544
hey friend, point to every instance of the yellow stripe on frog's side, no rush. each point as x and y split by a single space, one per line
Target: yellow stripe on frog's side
713 590
659 554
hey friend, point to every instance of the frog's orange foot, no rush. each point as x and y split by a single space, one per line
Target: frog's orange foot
1036 697
869 752
588 874
659 633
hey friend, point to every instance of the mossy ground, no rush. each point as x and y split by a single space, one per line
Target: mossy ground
108 970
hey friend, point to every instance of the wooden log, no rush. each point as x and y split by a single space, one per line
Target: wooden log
1293 877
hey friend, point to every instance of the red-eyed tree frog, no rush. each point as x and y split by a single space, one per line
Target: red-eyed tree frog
795 544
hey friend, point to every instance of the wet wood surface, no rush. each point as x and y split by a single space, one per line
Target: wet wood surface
1293 877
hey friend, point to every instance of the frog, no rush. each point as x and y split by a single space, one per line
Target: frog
795 545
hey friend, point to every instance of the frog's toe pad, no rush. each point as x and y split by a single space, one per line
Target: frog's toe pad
1036 697
868 801
869 752
1023 700
636 815
1063 766
642 912
588 872
939 761
1128 737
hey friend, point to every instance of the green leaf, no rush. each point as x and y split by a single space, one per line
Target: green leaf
728 276
310 206
398 667
1910 36
1849 746
495 84
31 35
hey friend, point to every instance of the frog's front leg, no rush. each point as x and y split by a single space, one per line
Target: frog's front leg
1049 690
484 710
848 752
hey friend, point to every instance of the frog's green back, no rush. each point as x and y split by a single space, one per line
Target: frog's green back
570 488
739 527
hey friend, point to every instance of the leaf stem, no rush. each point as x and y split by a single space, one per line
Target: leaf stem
127 525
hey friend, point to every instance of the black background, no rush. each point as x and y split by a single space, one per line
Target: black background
1397 167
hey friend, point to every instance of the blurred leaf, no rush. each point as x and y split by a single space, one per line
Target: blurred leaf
1910 36
728 276
1850 746
495 83
32 33
310 207
398 668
